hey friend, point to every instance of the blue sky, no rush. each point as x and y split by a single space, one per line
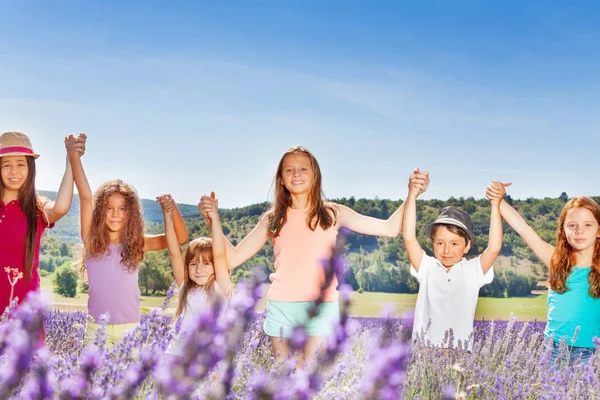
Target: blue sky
187 97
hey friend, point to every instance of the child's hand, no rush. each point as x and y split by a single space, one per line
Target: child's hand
70 146
418 182
80 143
496 191
75 145
209 206
167 203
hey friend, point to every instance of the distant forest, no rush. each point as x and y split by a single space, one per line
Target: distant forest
375 264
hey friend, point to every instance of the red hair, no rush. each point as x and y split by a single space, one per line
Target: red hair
562 260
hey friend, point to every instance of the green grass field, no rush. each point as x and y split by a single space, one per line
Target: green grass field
363 305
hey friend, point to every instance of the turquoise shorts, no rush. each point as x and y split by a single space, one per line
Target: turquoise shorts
282 317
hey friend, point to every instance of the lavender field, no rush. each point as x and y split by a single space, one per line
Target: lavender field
229 357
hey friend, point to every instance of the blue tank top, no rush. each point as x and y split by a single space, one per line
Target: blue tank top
572 309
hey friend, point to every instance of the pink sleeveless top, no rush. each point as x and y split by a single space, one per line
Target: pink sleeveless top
112 289
299 252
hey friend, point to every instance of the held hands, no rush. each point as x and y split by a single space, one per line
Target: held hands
167 203
208 206
418 182
75 145
496 191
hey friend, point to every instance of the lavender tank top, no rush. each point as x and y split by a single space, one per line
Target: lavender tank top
112 289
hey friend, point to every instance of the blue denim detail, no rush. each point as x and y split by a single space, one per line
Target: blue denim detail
573 353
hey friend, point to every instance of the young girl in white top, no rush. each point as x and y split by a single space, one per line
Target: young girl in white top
201 274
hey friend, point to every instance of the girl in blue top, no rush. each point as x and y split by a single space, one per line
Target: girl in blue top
574 271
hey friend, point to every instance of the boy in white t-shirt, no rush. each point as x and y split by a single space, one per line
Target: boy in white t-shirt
448 283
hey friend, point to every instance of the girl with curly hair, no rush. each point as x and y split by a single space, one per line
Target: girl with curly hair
112 231
574 272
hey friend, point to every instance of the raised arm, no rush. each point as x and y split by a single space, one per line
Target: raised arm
83 187
495 237
55 210
417 184
177 264
249 246
541 249
390 227
219 248
159 242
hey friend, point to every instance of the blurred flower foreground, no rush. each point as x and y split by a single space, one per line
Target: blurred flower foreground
229 357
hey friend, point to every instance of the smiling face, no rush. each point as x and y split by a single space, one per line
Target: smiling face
116 212
200 270
14 172
581 229
449 247
297 174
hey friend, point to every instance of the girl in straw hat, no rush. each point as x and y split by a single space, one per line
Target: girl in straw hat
112 231
24 214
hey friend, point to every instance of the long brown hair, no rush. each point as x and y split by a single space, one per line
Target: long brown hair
31 205
563 260
132 236
199 249
319 212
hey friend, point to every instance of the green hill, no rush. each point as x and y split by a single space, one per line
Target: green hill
377 264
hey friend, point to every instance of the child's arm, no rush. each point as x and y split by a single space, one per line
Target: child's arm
249 245
55 210
416 186
83 188
159 242
219 248
495 237
177 263
541 249
379 227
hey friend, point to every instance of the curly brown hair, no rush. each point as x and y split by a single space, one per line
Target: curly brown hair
562 260
132 236
319 212
198 249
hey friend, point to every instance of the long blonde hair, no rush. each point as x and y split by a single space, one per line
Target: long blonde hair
319 212
198 249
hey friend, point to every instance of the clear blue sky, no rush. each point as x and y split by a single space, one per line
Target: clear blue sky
187 97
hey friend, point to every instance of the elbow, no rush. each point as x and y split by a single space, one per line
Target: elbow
394 232
60 211
183 239
85 196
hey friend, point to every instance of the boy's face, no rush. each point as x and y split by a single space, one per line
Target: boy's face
449 248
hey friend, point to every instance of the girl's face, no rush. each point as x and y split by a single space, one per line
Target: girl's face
14 172
448 247
199 270
116 212
297 173
581 229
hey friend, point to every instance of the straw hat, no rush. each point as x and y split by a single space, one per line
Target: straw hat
16 144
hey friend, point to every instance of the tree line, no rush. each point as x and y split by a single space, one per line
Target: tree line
375 264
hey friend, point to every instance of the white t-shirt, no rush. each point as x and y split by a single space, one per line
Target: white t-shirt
448 298
197 302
